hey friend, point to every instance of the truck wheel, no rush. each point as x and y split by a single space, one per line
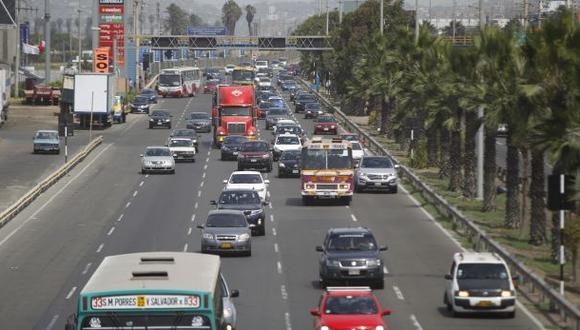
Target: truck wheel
347 200
306 200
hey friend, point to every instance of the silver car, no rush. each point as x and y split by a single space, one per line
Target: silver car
200 121
157 160
376 173
46 141
226 231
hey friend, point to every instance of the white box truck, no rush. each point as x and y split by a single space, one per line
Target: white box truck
93 99
5 83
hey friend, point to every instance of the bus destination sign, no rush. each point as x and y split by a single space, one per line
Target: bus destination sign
145 302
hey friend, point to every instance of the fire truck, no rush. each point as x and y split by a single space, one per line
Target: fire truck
233 113
327 170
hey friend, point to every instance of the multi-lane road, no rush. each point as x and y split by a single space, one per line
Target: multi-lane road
105 206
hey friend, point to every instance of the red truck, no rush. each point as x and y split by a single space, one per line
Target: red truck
234 113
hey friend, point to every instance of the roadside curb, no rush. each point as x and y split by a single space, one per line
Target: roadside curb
13 210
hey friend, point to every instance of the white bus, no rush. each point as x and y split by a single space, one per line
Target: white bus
179 82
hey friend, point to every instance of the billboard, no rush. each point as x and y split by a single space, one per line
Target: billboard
101 61
7 13
112 27
206 30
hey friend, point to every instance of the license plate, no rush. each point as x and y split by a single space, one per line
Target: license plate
485 303
378 184
253 160
235 153
158 123
353 272
226 245
295 171
326 129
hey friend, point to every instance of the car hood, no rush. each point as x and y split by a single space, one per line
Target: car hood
285 147
348 322
140 103
232 146
251 186
483 284
382 171
289 162
158 158
277 117
353 254
240 207
200 121
52 141
158 117
227 230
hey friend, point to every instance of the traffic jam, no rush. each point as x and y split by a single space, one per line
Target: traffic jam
331 164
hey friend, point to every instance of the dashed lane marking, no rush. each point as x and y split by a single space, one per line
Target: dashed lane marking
287 320
353 217
189 231
201 184
100 248
193 218
385 270
415 322
128 204
274 231
87 267
52 322
276 247
71 292
196 205
111 231
199 193
283 292
205 167
271 218
135 193
398 293
120 217
203 175
185 247
141 183
279 267
146 175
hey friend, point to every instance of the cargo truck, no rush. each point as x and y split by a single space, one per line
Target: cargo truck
233 113
93 99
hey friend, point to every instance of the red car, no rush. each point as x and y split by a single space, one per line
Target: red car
325 125
346 308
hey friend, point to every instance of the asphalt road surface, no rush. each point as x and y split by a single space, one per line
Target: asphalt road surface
105 206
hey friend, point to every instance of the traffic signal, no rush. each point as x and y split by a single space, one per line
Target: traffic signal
146 61
558 200
169 54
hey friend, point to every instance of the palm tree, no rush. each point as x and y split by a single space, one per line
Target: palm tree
231 13
250 13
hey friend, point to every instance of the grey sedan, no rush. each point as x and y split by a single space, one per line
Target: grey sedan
157 159
226 231
200 121
376 173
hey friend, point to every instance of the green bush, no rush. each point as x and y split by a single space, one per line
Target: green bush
419 159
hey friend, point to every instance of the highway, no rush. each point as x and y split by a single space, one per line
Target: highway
105 206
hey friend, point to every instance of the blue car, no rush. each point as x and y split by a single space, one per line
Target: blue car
46 141
150 94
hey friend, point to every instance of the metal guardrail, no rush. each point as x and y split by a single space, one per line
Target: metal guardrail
536 289
14 209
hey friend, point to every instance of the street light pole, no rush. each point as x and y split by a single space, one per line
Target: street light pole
79 63
382 22
416 21
18 45
47 42
91 118
326 17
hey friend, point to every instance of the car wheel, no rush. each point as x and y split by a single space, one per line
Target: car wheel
510 315
150 126
222 157
280 175
263 231
379 285
143 171
248 253
306 200
57 152
395 190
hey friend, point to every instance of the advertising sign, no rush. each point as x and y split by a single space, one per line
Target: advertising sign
112 27
206 30
101 62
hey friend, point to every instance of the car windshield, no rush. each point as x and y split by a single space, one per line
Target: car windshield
287 140
157 152
288 129
184 132
169 80
235 140
160 114
239 197
356 146
246 179
226 220
255 146
140 99
46 135
290 155
349 305
265 80
326 119
277 112
243 75
148 92
264 105
376 162
236 111
352 242
180 143
314 159
197 115
306 98
468 271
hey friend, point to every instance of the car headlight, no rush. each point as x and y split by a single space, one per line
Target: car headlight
244 237
332 263
167 120
380 327
151 119
207 236
309 186
506 294
265 156
324 328
374 262
462 294
281 165
333 127
363 176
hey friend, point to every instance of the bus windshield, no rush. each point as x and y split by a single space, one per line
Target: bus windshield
169 80
243 75
146 321
236 111
314 159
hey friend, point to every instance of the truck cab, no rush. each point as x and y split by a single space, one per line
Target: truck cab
234 113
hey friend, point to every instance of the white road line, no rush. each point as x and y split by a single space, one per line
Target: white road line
270 205
100 248
271 218
398 293
128 204
279 267
120 217
276 247
189 231
201 184
185 247
385 270
193 218
111 231
415 322
205 167
207 160
209 152
353 217
196 205
287 320
86 270
146 175
283 292
135 193
203 175
71 292
52 322
348 207
33 216
141 183
274 231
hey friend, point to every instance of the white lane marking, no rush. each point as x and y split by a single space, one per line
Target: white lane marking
128 204
348 207
415 322
353 218
146 175
205 167
33 216
207 160
193 218
276 247
71 292
287 319
185 247
135 193
271 218
52 322
201 184
86 270
100 248
279 267
120 217
209 152
198 193
141 183
283 292
189 231
111 231
398 293
203 175
274 231
196 205
270 205
385 270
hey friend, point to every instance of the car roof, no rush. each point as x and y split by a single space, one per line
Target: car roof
478 258
156 147
46 131
180 138
349 230
246 172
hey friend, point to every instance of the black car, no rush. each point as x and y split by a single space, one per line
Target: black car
200 121
288 85
351 255
247 201
150 94
159 118
140 104
231 146
255 154
289 164
301 100
212 73
312 110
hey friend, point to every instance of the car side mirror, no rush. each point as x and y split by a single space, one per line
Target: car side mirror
235 293
212 202
200 226
315 312
386 312
448 277
225 181
319 249
267 181
383 248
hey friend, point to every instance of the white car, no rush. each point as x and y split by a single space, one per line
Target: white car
229 68
182 149
261 65
285 142
252 180
265 82
357 151
480 283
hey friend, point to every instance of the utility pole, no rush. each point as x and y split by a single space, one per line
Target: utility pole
79 62
480 137
47 41
158 19
382 14
339 11
481 16
326 17
526 13
18 45
416 21
453 27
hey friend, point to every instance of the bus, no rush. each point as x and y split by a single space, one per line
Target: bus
243 75
156 290
179 82
327 170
